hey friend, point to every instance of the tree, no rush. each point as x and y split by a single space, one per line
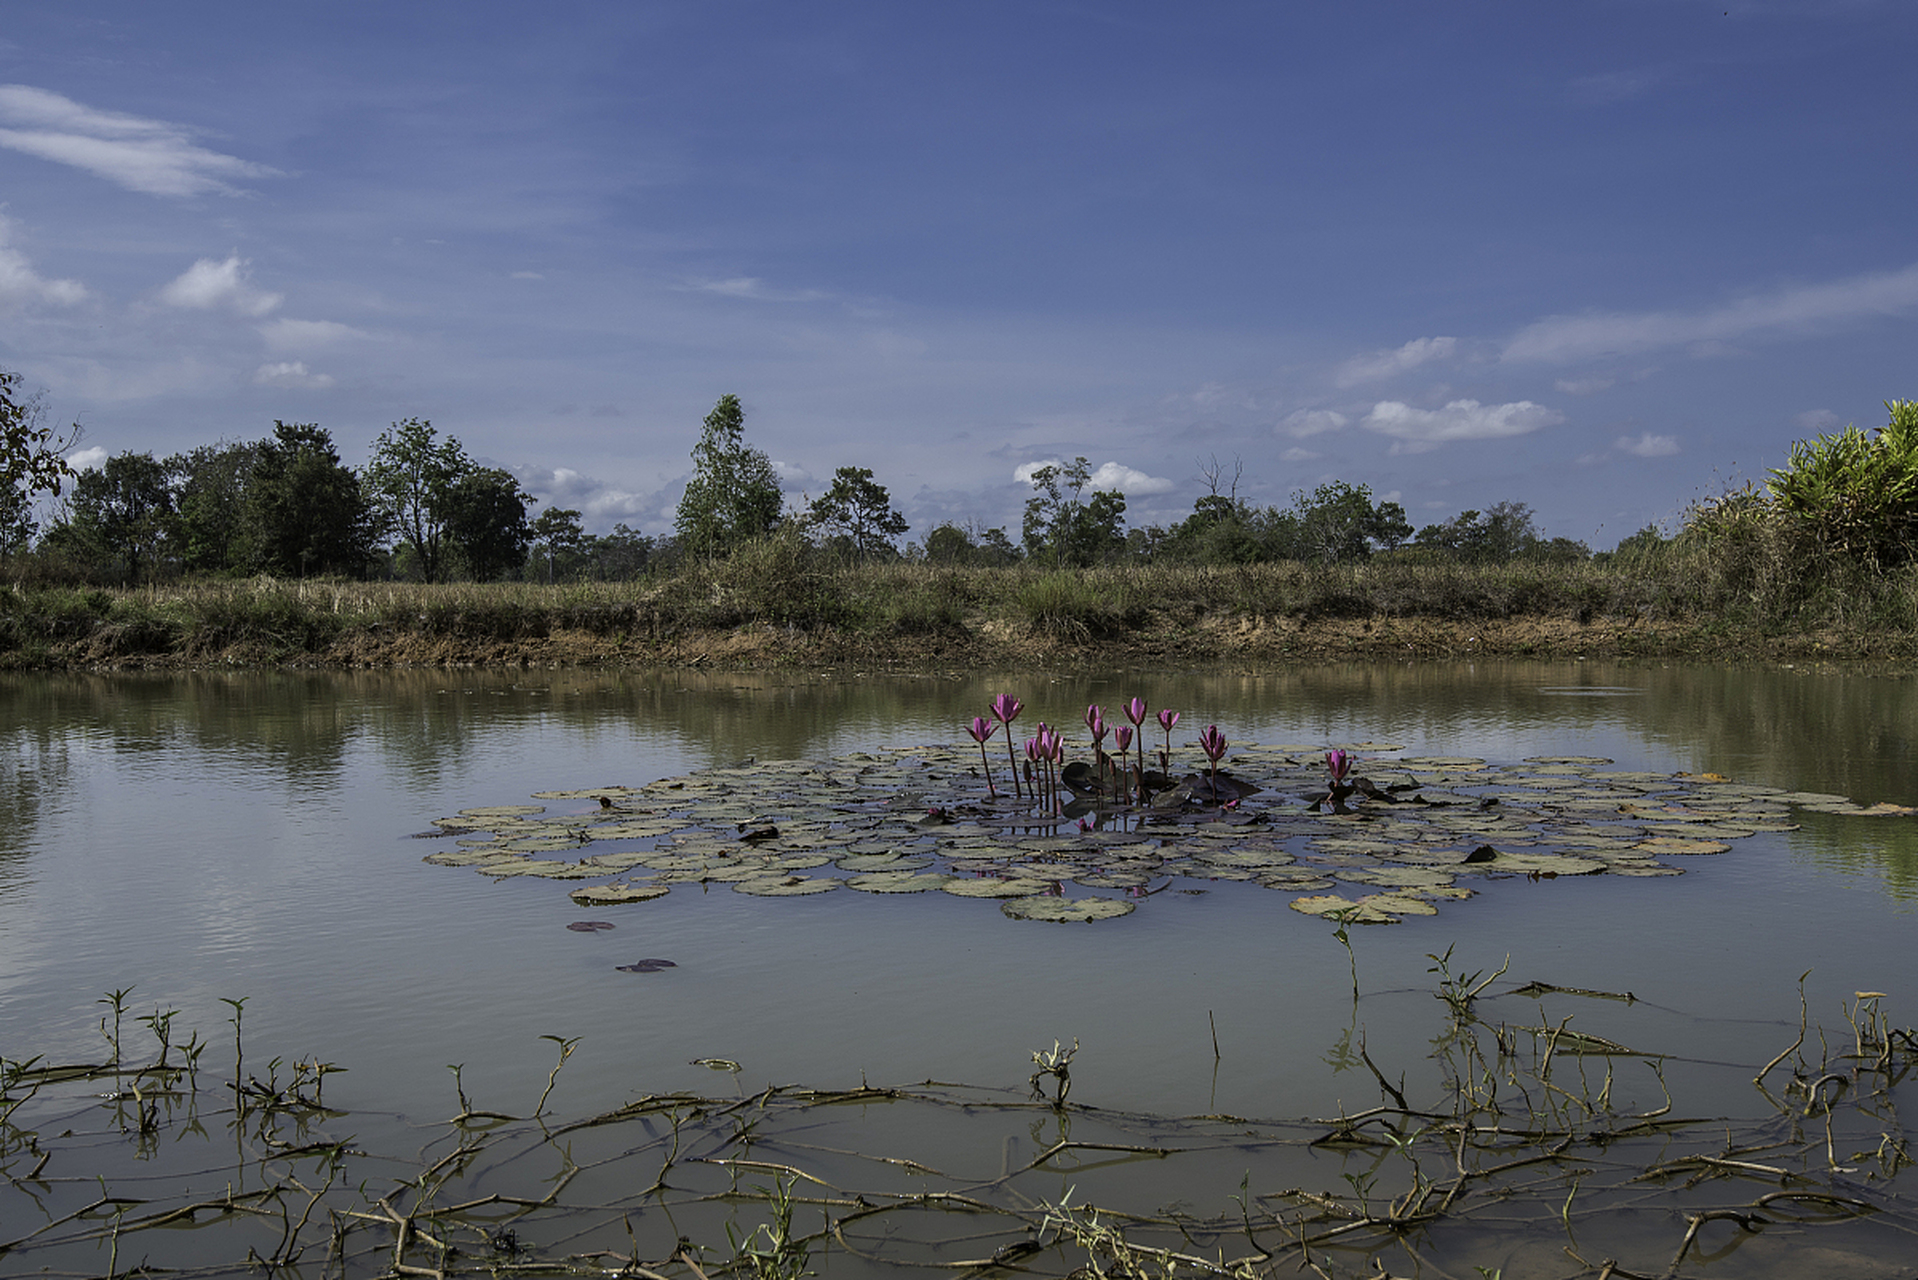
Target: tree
486 522
621 555
31 461
1338 522
733 496
859 510
211 529
1062 525
1502 533
409 486
306 509
558 543
120 512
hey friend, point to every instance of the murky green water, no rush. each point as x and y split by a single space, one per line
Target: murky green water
210 835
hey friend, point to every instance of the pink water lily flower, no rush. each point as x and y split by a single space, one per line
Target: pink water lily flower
1135 711
981 729
1096 722
1006 709
1338 762
1122 737
1212 742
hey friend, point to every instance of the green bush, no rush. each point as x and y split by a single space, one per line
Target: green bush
1857 493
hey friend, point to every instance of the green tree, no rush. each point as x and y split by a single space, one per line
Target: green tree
620 555
733 496
409 486
1064 526
30 451
31 460
1338 523
486 522
858 509
119 517
211 530
1504 532
558 545
307 510
1857 493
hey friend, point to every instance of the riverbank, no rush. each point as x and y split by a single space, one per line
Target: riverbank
796 615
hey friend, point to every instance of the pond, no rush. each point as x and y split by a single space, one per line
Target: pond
207 838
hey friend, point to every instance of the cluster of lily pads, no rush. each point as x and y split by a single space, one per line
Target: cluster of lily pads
1370 847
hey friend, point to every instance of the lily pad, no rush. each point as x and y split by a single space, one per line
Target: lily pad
1065 910
606 895
589 926
645 966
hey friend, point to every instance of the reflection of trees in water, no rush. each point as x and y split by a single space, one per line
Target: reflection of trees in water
35 772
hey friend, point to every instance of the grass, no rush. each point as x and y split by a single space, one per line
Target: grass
1740 584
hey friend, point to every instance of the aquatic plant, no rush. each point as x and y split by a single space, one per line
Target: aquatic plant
981 729
1213 743
1167 719
1006 709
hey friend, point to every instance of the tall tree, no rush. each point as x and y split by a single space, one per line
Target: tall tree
558 545
486 522
409 486
211 531
1064 526
858 509
120 514
733 496
307 510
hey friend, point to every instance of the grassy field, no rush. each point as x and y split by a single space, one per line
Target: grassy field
777 604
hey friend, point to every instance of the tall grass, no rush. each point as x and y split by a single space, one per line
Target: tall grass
1736 572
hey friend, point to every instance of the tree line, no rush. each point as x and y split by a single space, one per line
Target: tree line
423 509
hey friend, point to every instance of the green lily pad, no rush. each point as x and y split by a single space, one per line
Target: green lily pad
1065 910
994 887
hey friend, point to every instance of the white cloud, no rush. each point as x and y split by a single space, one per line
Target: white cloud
1384 364
1297 454
90 459
208 284
290 373
1584 386
1817 419
1127 480
1312 422
19 282
528 275
150 156
296 335
754 288
1649 445
1108 475
1419 430
1802 307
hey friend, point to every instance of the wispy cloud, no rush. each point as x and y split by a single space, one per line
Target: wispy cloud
752 287
1648 445
1419 430
19 282
291 373
1584 386
1802 307
208 284
1312 422
1385 364
151 156
1817 419
287 334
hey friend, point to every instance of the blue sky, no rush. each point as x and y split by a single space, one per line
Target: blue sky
1597 257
